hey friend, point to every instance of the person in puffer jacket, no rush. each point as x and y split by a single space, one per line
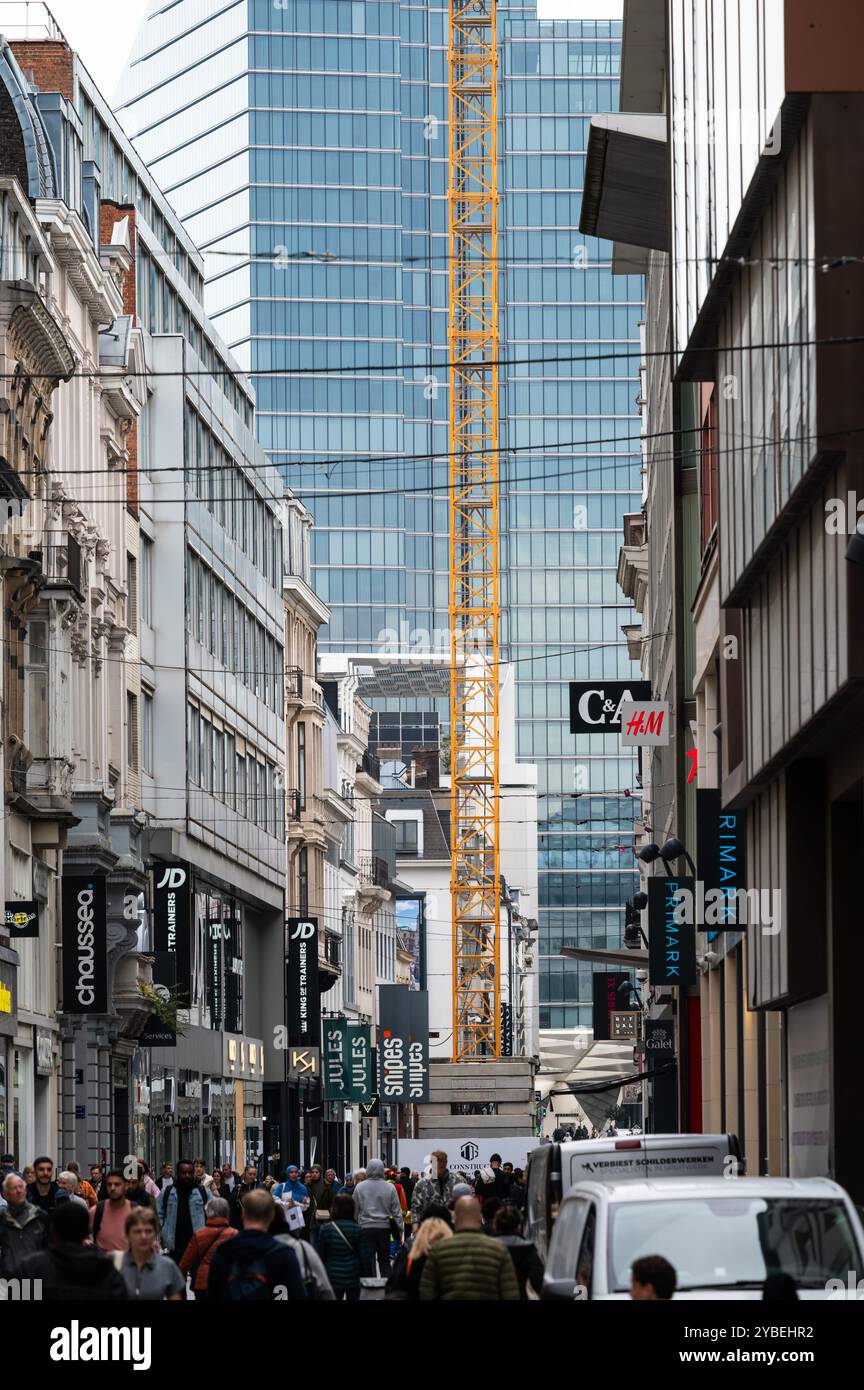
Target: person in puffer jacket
377 1206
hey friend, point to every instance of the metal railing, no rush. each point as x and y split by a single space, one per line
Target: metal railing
374 870
294 682
370 765
333 949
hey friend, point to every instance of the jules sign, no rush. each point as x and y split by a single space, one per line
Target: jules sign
347 1060
85 946
595 706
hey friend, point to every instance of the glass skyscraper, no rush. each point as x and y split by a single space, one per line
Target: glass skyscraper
304 143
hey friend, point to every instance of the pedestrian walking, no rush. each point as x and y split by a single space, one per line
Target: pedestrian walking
149 1277
312 1270
42 1192
407 1183
97 1181
345 1253
438 1187
470 1267
652 1280
166 1177
507 1227
137 1192
379 1214
254 1267
492 1181
84 1189
248 1183
292 1192
202 1177
198 1255
404 1282
67 1182
180 1210
70 1268
23 1227
108 1217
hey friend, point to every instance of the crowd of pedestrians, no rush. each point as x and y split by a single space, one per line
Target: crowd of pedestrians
237 1236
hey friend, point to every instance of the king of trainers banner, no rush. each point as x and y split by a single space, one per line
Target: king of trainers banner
172 915
85 945
403 1044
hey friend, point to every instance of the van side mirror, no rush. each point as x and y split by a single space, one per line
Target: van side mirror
559 1289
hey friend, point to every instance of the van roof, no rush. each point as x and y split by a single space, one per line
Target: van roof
653 1189
607 1143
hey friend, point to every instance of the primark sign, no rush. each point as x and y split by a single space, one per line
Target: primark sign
671 942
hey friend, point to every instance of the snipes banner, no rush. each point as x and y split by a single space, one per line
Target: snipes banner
84 935
403 1044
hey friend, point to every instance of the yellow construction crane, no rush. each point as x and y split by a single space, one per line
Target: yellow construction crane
474 564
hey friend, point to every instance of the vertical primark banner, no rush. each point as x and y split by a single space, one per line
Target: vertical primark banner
671 944
347 1061
172 919
403 1044
84 934
302 983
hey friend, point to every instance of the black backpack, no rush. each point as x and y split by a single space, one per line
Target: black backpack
248 1282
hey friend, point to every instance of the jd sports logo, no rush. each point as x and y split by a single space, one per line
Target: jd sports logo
303 931
172 878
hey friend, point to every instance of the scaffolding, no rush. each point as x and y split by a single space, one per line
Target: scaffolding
474 532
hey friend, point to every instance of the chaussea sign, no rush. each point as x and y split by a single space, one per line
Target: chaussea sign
464 1155
85 946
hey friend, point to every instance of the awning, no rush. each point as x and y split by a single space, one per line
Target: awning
626 185
622 956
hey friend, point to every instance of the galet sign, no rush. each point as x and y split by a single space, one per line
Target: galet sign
84 937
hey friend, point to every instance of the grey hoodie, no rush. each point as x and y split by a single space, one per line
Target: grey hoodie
376 1200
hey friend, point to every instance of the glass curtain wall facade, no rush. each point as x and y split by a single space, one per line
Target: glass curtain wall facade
305 147
572 425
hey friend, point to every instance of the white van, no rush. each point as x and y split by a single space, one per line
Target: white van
722 1238
554 1168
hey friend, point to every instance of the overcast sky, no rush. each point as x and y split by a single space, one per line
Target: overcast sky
103 30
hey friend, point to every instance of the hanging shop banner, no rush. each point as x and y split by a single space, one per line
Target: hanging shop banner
660 1039
347 1051
671 943
22 919
607 1001
721 844
644 723
84 935
302 986
172 927
595 707
403 1031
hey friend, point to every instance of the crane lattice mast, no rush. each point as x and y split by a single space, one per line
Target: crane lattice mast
474 536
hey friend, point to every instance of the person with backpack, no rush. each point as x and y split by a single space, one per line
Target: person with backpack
318 1286
254 1267
347 1257
198 1255
108 1217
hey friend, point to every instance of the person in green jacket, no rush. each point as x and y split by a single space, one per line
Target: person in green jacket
470 1266
346 1255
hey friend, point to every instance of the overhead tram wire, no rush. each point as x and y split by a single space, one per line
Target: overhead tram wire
833 340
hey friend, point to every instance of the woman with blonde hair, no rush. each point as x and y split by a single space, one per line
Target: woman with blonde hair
404 1282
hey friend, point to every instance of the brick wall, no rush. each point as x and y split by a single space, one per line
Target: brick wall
13 160
49 65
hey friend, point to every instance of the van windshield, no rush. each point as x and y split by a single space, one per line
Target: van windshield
718 1242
